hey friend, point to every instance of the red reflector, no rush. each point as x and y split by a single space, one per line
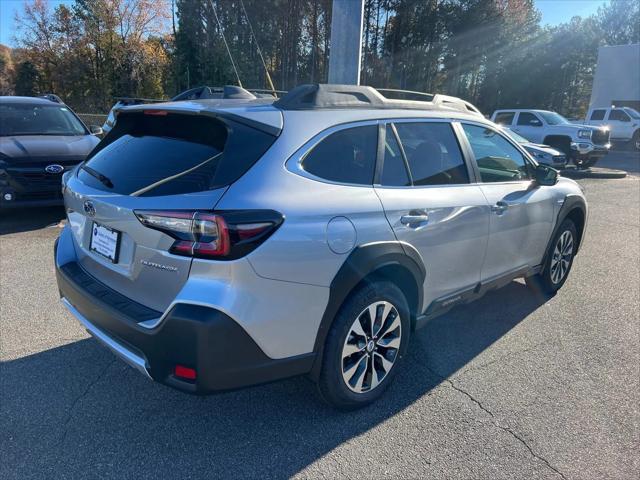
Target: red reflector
185 372
252 230
159 113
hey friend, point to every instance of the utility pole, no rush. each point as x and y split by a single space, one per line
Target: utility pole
346 41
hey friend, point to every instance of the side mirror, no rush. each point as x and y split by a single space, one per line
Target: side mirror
545 175
95 130
535 123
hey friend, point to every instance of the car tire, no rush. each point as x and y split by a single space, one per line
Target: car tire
559 260
361 360
588 162
635 142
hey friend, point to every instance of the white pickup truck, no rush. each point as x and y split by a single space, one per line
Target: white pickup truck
583 144
623 123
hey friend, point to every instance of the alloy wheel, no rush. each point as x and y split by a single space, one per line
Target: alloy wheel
371 347
561 258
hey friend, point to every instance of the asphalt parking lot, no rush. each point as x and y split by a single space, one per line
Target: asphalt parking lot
513 386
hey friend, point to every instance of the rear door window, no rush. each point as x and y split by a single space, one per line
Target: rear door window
394 171
529 119
504 118
597 115
346 156
433 153
170 154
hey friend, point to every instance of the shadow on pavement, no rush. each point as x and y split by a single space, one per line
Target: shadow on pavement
628 161
76 411
17 220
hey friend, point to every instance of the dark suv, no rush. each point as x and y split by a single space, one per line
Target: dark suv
40 139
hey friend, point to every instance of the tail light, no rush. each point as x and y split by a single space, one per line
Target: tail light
221 235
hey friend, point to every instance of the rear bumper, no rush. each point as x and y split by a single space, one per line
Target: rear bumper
223 355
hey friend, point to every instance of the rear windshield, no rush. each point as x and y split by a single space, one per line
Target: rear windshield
171 154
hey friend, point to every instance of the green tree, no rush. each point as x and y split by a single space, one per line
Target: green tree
26 79
7 71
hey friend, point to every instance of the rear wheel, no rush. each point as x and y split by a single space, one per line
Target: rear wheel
635 141
364 345
559 260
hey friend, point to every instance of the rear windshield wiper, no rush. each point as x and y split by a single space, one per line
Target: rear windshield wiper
94 173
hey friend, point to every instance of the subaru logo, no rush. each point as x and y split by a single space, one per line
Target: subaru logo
89 209
55 168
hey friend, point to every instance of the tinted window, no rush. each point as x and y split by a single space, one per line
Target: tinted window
394 172
346 156
553 118
40 119
433 153
504 118
498 160
196 153
619 115
597 115
529 119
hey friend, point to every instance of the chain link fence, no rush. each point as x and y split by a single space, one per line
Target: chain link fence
93 118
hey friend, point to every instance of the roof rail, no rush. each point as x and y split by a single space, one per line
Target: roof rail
329 96
392 93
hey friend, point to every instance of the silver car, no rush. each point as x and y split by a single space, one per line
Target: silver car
216 244
542 153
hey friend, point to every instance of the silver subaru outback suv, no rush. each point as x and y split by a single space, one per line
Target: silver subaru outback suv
222 243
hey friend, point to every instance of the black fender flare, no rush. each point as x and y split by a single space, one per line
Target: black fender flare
571 203
363 261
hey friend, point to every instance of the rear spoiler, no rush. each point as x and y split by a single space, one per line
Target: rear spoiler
137 101
221 114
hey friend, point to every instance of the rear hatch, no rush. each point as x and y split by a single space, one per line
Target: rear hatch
153 160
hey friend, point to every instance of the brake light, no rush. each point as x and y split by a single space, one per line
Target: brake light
220 235
157 113
184 372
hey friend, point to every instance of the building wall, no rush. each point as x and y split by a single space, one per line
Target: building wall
617 77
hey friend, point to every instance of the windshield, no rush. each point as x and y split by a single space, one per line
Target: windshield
632 113
553 118
515 136
30 119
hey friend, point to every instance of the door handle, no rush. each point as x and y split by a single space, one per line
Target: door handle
500 207
414 219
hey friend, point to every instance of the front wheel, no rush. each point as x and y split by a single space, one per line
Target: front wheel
364 345
559 260
583 162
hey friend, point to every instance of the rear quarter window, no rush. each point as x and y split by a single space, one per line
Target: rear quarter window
156 155
346 156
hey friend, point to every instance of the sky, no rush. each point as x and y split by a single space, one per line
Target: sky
553 13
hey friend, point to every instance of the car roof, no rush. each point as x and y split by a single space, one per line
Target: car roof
264 111
523 110
29 100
